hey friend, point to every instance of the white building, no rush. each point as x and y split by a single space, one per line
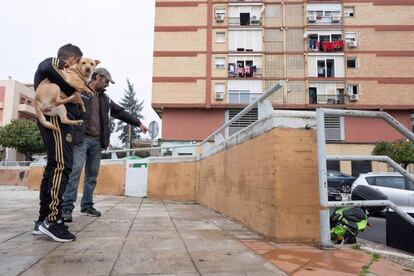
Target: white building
16 102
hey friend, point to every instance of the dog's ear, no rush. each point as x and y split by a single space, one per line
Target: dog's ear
97 62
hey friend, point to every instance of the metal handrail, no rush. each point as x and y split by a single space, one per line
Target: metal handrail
252 105
322 157
9 164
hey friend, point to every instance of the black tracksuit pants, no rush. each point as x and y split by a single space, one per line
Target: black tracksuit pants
59 147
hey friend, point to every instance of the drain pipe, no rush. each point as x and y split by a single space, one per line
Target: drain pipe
323 183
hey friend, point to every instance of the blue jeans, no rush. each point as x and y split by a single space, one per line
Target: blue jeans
89 155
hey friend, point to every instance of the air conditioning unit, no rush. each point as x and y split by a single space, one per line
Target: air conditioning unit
219 96
353 97
336 18
352 44
254 20
219 17
311 17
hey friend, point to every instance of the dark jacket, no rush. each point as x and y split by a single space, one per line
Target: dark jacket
106 108
49 69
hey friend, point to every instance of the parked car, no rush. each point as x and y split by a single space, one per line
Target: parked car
395 186
334 195
340 181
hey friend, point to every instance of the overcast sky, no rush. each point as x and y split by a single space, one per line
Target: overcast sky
117 32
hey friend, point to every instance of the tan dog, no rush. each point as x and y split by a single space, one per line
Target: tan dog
49 100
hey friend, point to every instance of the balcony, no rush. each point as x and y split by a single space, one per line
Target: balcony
26 109
245 21
326 46
324 17
242 96
326 99
243 72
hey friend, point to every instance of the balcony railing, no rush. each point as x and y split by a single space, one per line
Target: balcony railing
245 21
313 18
242 97
326 46
326 99
244 72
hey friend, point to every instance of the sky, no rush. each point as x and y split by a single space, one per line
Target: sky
119 33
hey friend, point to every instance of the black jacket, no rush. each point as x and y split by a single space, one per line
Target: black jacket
49 68
106 108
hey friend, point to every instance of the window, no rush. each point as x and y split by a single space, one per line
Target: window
220 11
358 167
328 13
219 87
336 37
410 184
351 62
350 36
319 14
242 122
395 182
349 11
220 62
220 37
245 40
352 89
321 68
334 128
22 100
313 95
333 165
326 68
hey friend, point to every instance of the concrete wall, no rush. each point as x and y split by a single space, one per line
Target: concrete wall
173 181
259 182
14 176
111 179
264 177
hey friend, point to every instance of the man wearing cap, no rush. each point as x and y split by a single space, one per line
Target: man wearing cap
89 139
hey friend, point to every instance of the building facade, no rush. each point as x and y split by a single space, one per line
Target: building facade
212 58
16 102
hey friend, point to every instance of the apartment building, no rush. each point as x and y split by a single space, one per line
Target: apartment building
212 58
16 102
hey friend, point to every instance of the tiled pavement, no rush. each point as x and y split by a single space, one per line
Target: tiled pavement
138 236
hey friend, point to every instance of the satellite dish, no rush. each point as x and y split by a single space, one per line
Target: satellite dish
153 129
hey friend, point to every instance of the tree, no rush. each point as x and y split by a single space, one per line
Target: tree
134 107
401 151
112 125
22 135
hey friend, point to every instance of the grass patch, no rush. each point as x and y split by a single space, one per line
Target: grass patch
365 269
375 257
356 247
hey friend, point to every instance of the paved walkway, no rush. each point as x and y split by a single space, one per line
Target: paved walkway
148 237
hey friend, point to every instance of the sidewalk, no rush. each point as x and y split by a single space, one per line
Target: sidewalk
138 236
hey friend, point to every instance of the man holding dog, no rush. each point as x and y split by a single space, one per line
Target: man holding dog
89 139
59 148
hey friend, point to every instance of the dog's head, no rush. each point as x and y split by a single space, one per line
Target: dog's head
86 66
